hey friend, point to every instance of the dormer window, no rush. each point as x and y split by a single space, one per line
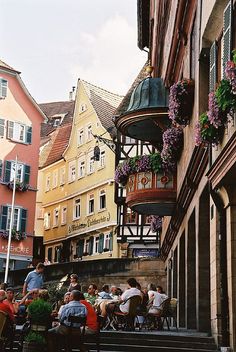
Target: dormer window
3 88
83 107
56 122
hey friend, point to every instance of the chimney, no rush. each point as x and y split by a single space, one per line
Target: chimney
72 94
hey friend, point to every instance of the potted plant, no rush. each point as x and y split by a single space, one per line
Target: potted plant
39 313
206 132
181 101
16 235
34 342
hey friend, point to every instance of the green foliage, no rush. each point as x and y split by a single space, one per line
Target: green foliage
156 162
209 133
234 56
35 337
39 311
56 294
225 98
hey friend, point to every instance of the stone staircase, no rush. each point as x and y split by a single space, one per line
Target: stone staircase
119 341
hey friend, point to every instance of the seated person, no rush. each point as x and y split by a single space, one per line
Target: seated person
104 294
74 308
91 322
74 283
157 300
91 295
9 326
10 301
66 300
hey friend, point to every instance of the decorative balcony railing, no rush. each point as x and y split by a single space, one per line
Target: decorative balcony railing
152 193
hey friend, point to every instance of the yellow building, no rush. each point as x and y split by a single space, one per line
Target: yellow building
80 214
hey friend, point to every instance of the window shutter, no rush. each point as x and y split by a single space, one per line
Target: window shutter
7 175
2 125
0 168
101 243
80 248
4 211
91 245
23 218
10 129
28 135
213 67
111 241
227 35
26 174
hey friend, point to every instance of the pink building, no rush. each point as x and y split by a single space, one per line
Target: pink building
20 122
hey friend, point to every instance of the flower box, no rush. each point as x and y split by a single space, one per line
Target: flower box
15 235
20 186
152 193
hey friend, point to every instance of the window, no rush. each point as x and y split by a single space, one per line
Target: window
54 179
22 174
130 216
62 176
77 209
90 164
102 159
80 137
55 217
107 241
49 256
47 220
72 171
81 168
57 254
86 246
19 218
16 219
19 132
3 88
2 128
56 122
96 244
40 213
63 215
89 133
83 107
102 199
91 204
48 182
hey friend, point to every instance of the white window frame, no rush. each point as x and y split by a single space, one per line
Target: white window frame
102 159
54 178
72 171
3 88
96 244
56 217
90 199
81 167
47 220
86 246
48 182
62 175
89 135
106 243
20 172
80 136
102 193
19 132
63 215
91 164
16 218
77 209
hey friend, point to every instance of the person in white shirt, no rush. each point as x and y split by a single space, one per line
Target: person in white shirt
130 292
156 298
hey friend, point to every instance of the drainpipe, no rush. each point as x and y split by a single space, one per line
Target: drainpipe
224 315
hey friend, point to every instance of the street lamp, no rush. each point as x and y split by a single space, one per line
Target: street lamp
108 142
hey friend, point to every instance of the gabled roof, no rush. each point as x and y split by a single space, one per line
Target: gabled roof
53 151
60 109
6 66
104 103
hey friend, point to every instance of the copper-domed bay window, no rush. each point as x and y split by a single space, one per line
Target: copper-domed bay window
147 113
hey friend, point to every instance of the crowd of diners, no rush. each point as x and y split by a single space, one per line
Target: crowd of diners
103 301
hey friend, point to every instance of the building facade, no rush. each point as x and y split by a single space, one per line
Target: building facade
80 215
190 46
20 121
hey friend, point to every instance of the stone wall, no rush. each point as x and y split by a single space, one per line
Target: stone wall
103 271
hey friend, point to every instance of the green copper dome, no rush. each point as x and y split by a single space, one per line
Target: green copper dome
150 93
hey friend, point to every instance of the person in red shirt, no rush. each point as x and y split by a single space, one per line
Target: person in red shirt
10 301
4 307
91 321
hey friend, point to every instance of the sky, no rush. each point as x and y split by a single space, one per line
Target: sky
55 42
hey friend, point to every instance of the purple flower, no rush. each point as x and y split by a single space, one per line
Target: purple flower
172 144
230 74
143 164
214 114
155 222
198 136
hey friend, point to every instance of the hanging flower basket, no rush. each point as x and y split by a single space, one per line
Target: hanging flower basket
172 147
181 101
20 186
206 132
15 235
